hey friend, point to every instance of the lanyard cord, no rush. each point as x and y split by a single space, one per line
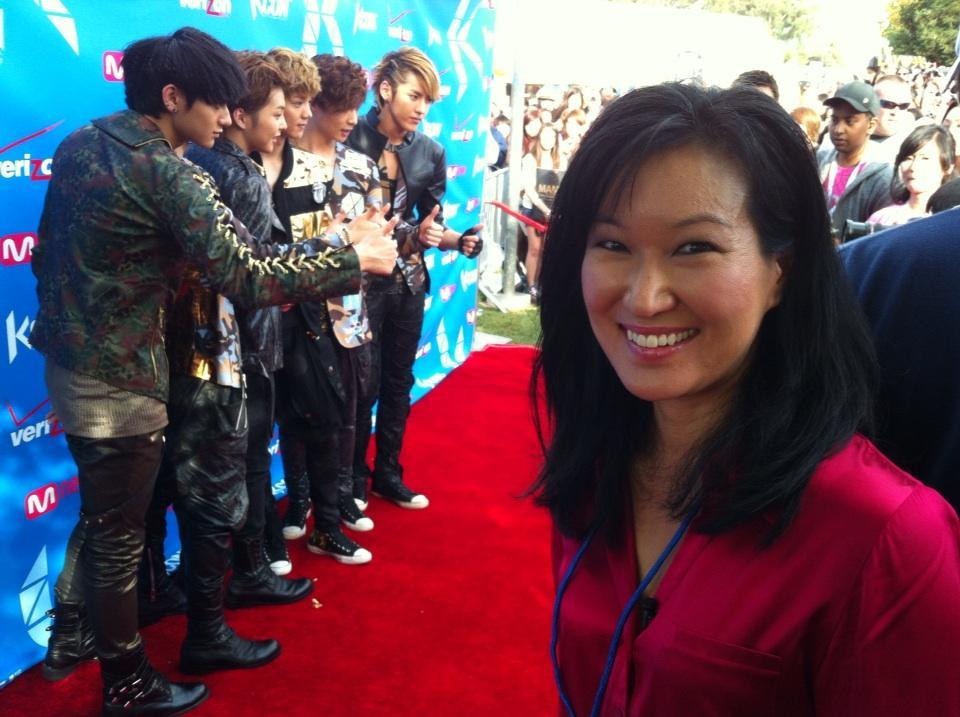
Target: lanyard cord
621 622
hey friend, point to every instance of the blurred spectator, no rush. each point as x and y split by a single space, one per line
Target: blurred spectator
573 125
760 80
540 169
894 121
497 142
923 164
951 122
809 122
855 187
947 197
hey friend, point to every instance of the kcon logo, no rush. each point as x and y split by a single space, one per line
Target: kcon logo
17 334
276 9
35 600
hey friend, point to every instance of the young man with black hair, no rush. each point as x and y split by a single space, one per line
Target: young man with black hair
854 183
124 216
258 124
413 172
759 80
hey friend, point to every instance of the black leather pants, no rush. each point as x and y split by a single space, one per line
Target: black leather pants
260 412
204 463
396 320
116 481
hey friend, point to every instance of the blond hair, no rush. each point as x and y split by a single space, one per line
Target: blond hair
395 66
300 74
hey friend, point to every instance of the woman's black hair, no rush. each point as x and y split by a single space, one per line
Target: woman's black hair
912 144
809 385
202 67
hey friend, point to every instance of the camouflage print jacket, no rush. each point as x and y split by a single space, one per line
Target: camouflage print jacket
244 189
423 172
124 217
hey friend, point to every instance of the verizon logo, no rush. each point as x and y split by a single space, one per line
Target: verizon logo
17 248
26 434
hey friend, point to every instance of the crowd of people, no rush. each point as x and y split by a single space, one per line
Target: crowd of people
236 249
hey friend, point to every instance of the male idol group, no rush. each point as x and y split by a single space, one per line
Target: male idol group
236 249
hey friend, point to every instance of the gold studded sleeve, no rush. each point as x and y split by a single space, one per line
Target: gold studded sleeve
202 225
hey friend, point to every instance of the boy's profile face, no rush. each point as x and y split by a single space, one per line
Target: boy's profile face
408 104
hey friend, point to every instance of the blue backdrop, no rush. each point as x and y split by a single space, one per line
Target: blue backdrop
59 68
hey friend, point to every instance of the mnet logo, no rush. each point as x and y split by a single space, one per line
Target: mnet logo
35 600
472 204
364 21
276 9
431 129
469 278
398 32
113 66
17 248
217 8
424 350
45 498
455 170
447 291
471 317
17 334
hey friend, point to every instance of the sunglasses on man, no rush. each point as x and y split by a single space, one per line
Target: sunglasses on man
888 105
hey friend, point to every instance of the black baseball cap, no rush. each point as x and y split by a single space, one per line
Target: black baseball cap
859 95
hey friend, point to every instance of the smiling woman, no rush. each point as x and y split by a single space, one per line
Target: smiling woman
706 372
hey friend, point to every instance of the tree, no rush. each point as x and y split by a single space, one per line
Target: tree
788 20
924 27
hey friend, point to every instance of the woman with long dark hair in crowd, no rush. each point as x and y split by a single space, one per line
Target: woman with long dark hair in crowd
726 541
923 164
542 153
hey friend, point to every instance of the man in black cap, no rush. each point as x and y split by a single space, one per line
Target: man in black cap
855 186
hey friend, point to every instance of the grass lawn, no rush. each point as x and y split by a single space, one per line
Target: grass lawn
521 327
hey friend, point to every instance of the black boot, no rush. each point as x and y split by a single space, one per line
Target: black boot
210 644
254 583
71 641
157 594
133 687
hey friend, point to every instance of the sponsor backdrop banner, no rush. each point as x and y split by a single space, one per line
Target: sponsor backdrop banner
60 68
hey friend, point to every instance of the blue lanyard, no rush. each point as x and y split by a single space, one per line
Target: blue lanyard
618 633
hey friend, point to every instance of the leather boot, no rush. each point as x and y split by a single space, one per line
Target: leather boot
71 641
133 687
210 644
254 583
157 594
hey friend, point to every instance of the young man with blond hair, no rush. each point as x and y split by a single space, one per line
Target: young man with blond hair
413 173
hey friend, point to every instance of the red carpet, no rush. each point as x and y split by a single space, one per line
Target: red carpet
450 618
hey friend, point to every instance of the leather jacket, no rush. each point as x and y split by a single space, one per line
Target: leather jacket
244 189
123 219
423 163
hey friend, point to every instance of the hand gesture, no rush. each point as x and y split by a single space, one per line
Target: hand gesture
372 238
431 231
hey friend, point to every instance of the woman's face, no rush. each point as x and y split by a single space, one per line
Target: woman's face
532 127
675 290
548 138
921 172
